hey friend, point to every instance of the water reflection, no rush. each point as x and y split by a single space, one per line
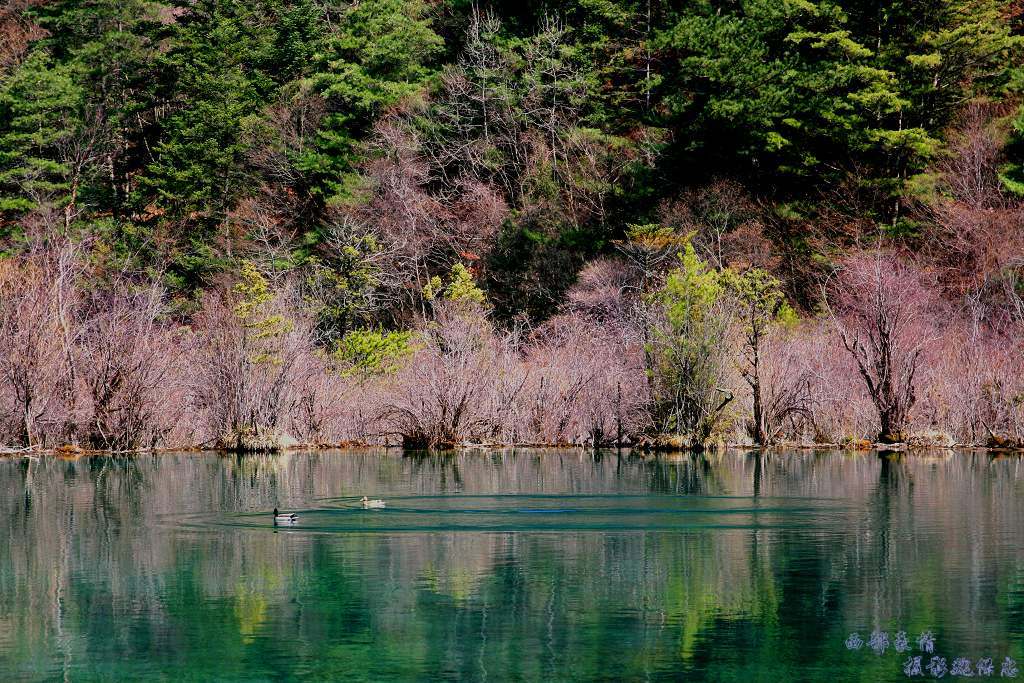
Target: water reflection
505 565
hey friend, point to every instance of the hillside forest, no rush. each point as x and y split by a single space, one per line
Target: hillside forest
257 224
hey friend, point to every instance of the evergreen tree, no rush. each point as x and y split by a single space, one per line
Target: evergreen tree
381 52
782 86
160 127
198 170
941 55
1013 173
40 116
112 46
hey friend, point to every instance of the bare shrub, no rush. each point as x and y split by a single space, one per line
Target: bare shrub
248 375
423 233
973 246
1001 399
970 168
17 32
446 394
725 223
975 389
605 291
884 314
586 384
324 404
286 130
127 362
784 389
572 382
974 229
839 409
92 368
31 350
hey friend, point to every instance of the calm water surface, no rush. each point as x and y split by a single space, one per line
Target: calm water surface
524 565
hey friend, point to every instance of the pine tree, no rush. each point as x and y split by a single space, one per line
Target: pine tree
1013 172
941 55
782 86
40 116
112 46
381 53
198 171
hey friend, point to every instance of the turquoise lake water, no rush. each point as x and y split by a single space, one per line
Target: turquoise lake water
512 565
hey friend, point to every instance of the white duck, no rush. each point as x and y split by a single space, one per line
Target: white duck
286 518
367 503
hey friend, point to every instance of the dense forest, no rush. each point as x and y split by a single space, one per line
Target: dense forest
249 224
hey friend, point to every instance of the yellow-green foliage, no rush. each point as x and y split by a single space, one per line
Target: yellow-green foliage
685 351
367 352
432 288
261 326
1012 174
654 237
343 282
690 290
760 298
460 287
253 290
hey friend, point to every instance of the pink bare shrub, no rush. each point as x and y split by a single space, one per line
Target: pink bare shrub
975 388
96 369
974 227
605 292
127 365
103 367
726 224
885 315
784 384
423 233
587 384
970 168
319 412
972 246
839 407
32 374
1000 392
572 382
449 392
17 32
248 370
949 392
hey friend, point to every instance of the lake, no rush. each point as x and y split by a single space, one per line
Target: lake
508 565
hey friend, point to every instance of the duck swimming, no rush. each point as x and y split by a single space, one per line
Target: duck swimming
367 503
286 518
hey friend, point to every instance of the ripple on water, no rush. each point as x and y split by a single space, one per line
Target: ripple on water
524 513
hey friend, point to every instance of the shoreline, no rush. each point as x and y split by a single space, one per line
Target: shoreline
72 453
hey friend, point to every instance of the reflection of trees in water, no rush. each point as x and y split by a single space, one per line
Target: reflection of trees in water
682 474
100 560
931 547
445 464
